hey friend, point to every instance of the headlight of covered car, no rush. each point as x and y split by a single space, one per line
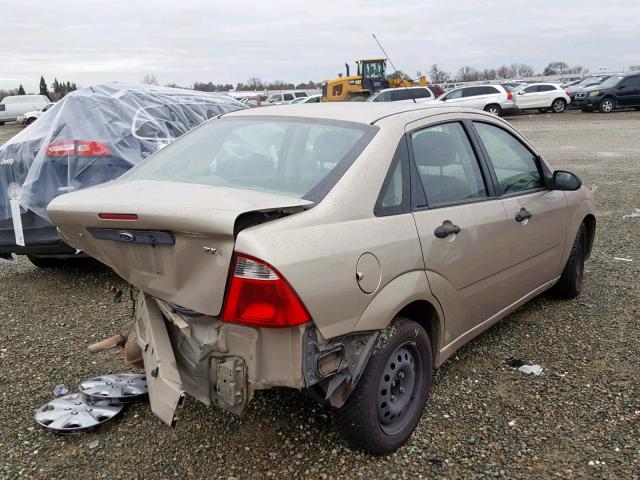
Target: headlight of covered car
594 94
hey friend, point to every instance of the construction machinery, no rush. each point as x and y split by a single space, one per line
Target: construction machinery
370 77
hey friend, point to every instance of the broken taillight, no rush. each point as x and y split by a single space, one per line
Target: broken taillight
82 148
258 296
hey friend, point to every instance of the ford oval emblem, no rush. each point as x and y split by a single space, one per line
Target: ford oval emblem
126 236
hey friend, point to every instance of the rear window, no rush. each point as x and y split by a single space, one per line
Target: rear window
408 93
292 156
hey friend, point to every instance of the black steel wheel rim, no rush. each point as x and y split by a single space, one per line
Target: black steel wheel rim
398 389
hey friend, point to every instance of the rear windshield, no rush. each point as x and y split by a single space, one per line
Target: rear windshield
297 157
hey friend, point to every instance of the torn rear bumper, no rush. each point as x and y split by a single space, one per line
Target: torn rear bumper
215 362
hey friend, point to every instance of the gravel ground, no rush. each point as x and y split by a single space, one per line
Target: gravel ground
579 419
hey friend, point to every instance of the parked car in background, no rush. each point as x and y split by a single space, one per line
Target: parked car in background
496 99
617 91
253 100
542 97
13 106
342 248
310 99
285 97
30 117
407 94
91 136
586 82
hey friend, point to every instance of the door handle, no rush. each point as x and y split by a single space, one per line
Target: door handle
444 230
523 215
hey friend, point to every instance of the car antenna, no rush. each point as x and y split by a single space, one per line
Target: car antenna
395 70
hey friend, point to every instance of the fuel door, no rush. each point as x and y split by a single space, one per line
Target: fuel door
368 272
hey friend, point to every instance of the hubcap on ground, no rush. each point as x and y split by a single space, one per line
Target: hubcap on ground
75 414
398 388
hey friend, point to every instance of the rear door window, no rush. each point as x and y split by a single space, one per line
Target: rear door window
288 96
546 88
448 169
516 167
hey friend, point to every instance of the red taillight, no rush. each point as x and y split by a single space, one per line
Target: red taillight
509 96
82 148
118 216
258 296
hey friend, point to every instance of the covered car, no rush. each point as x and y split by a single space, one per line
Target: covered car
91 136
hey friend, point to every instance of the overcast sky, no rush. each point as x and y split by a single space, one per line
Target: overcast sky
183 41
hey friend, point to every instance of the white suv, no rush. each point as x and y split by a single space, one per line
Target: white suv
496 99
406 94
543 96
285 97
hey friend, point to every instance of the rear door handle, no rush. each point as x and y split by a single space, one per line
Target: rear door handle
444 230
523 215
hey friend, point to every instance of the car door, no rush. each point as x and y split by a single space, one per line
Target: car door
537 216
475 97
628 92
454 98
525 98
546 95
462 226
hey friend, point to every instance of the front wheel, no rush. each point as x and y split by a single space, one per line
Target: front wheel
570 283
386 405
30 120
558 105
607 105
493 108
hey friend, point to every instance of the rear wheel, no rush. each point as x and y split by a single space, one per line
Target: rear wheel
558 105
570 283
607 105
494 108
386 406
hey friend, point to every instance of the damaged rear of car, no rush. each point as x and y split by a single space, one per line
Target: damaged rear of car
215 318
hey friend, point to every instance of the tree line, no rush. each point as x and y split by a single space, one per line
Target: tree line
513 71
58 89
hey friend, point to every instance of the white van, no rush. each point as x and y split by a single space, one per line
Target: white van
13 106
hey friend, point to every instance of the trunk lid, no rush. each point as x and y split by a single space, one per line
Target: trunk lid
180 246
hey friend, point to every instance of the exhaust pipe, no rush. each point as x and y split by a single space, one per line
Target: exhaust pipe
347 66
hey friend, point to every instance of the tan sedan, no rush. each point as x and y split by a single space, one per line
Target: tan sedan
346 249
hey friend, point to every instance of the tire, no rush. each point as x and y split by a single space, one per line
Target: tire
607 105
1 123
558 105
494 108
381 413
570 283
30 121
543 110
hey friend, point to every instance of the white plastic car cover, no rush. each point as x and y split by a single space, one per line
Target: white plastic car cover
94 135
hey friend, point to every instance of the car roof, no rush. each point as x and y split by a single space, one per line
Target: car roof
359 112
398 88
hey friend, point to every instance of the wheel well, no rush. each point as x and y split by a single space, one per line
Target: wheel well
561 99
424 314
589 223
492 105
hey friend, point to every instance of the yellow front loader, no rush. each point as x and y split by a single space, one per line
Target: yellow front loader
370 78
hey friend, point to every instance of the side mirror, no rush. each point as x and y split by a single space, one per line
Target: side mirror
563 180
521 92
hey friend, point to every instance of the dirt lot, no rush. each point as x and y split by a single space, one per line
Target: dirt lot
579 419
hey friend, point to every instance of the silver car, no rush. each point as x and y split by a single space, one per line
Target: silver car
345 249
